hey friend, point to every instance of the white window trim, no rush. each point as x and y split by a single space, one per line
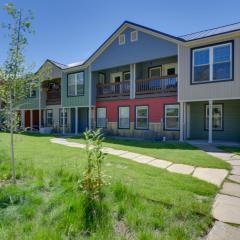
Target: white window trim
121 39
207 117
105 117
211 62
136 117
132 34
119 117
49 125
153 68
125 73
75 84
166 117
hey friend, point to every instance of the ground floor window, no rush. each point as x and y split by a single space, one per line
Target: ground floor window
171 119
101 117
63 117
141 117
49 117
123 117
217 117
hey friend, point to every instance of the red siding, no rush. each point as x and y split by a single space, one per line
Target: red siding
156 107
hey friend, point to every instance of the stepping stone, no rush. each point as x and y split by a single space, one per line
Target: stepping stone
232 189
130 155
223 231
181 168
234 162
211 175
143 159
234 178
226 209
160 163
236 170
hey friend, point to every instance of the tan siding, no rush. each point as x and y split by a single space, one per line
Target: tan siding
218 90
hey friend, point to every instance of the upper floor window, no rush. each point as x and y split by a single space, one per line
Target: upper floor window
126 76
121 39
76 84
101 78
155 71
212 63
32 91
134 36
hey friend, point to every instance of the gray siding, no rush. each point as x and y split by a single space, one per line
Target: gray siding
217 90
231 120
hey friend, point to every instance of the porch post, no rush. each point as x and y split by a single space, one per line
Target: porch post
39 109
181 121
132 81
23 119
90 100
188 120
210 121
63 131
31 120
44 118
76 120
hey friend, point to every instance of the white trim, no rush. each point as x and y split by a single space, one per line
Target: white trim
136 117
119 109
114 75
76 120
205 100
154 68
76 84
173 105
132 36
210 122
121 39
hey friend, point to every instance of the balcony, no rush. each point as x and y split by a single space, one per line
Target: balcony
53 97
166 85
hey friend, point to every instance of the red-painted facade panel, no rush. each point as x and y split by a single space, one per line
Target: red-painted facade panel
155 107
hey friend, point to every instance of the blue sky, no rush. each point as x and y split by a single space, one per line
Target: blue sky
70 30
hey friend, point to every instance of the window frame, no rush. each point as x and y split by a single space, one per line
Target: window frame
104 77
222 117
139 106
65 117
76 94
97 117
123 38
154 67
124 73
211 56
165 118
136 39
49 125
129 122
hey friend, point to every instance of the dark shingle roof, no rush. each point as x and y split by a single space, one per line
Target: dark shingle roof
211 32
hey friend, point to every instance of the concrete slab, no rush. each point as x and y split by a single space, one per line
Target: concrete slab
223 231
234 178
234 162
232 189
143 159
115 152
226 209
160 163
181 168
236 170
130 155
214 176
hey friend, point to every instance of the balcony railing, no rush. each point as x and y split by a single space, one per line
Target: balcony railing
53 97
113 89
156 85
162 85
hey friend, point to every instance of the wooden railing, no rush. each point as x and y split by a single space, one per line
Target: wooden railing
113 89
53 97
162 85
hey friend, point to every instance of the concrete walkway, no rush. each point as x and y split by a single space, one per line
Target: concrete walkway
226 207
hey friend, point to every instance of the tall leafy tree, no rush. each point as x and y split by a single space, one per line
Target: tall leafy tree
13 76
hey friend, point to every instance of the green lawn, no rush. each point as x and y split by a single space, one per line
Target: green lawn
174 152
143 202
234 150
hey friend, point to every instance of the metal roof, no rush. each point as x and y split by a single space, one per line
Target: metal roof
211 32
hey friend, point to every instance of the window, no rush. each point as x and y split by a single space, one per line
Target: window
155 72
142 117
121 39
126 76
49 117
101 78
63 116
212 63
171 71
134 36
171 118
101 117
76 84
123 117
217 117
32 91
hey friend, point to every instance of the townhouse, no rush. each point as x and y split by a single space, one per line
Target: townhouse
144 83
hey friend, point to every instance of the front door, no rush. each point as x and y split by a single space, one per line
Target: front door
116 78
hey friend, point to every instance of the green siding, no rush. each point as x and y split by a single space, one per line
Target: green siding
78 100
231 121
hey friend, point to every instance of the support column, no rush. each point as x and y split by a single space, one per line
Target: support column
39 108
76 121
210 121
184 120
90 99
31 120
132 81
188 120
44 118
181 122
63 130
23 119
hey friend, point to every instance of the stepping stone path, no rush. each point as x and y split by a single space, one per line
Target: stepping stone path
226 207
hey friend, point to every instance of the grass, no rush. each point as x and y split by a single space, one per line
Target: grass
172 151
142 202
234 150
